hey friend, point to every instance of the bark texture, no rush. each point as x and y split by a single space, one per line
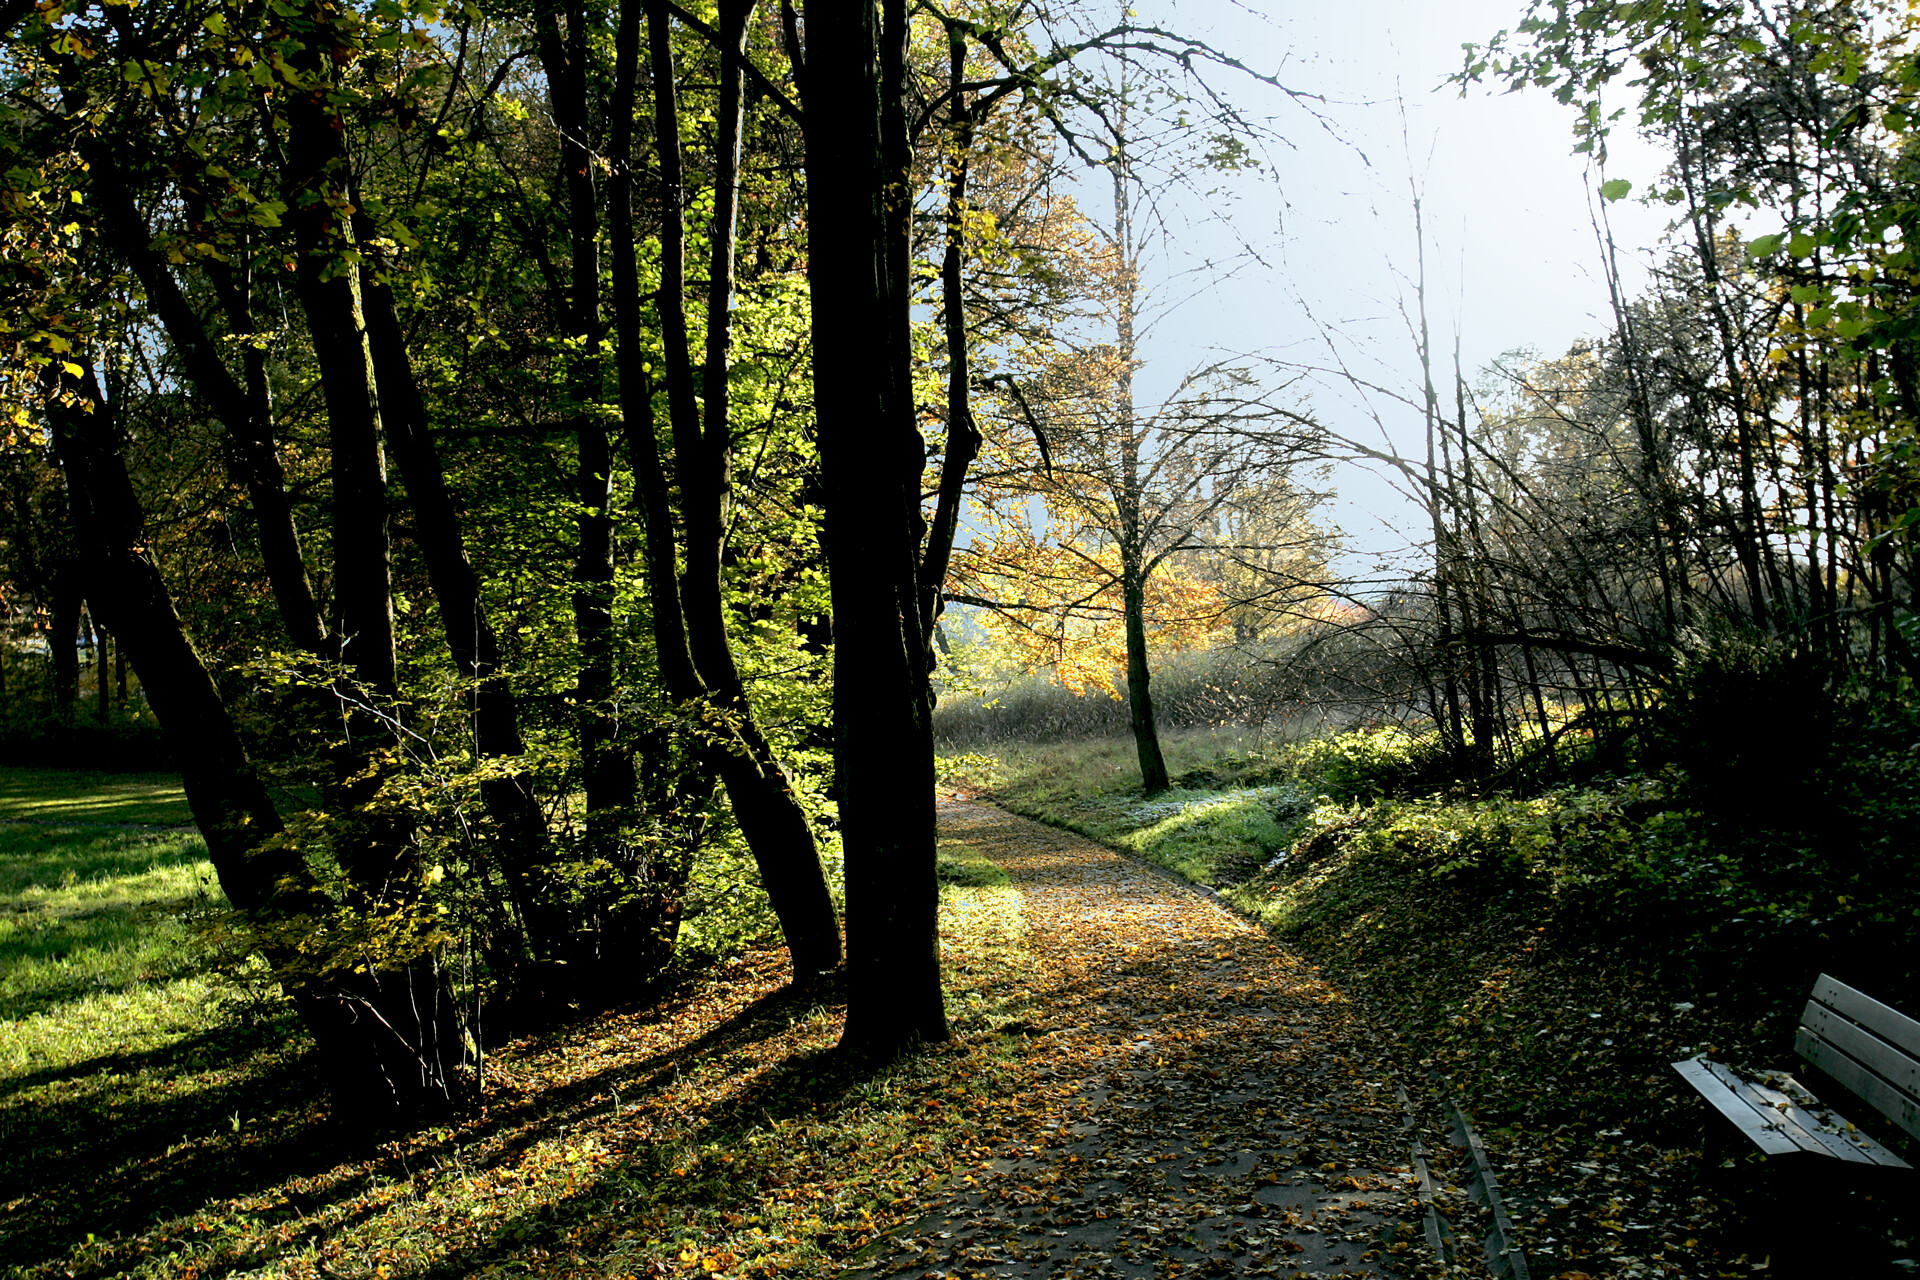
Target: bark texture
871 462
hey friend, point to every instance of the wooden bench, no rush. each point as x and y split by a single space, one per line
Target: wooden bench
1871 1049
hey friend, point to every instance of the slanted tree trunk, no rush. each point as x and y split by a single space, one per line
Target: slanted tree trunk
245 410
853 82
763 801
374 846
494 712
365 1060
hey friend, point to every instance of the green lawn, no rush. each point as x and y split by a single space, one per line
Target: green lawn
1233 805
158 1119
116 1045
59 795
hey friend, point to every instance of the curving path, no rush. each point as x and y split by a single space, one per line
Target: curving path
1203 1103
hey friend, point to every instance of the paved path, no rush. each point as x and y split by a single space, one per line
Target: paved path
1207 1103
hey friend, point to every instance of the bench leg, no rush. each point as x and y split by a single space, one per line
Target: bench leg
1815 1217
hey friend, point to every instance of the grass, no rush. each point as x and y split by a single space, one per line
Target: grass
1229 812
157 1120
58 795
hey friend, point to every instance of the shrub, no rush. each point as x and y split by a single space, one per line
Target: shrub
35 736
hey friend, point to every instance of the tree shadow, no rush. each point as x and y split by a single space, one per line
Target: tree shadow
92 1164
818 1084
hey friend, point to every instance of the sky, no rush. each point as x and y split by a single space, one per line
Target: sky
1513 260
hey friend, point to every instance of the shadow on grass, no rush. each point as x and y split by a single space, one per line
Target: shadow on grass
93 1161
50 857
816 1085
81 797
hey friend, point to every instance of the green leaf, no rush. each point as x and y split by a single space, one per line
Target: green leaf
1802 245
1765 246
1615 190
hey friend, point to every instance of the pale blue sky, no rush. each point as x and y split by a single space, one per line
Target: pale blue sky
1512 261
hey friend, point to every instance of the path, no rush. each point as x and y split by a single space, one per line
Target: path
1209 1105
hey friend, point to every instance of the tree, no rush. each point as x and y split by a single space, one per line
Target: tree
690 621
1130 492
853 84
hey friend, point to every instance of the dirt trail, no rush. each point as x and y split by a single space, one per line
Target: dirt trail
1205 1103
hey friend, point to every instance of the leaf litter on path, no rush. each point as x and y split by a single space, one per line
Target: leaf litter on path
1199 1100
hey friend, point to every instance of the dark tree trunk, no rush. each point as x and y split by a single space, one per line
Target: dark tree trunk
769 814
63 639
494 712
1146 734
374 1072
245 411
677 798
963 435
373 844
102 687
1131 498
871 462
607 765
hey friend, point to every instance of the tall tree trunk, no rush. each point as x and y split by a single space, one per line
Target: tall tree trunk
245 410
1448 724
677 799
63 641
102 689
494 711
607 765
1133 581
1146 734
1476 606
372 1068
374 846
769 814
871 463
963 434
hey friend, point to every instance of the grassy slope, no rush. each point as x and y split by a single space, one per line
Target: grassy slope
1482 929
1229 812
156 1120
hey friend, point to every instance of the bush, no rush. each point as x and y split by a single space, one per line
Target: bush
34 736
1371 764
1277 684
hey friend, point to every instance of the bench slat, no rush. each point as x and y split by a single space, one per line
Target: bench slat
1774 1122
1865 1048
1824 1125
1760 1130
1890 1102
1780 1110
1884 1021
